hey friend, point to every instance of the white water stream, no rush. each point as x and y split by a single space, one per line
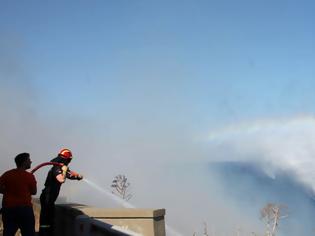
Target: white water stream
169 230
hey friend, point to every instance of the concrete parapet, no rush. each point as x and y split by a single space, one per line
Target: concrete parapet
82 220
144 221
148 222
86 226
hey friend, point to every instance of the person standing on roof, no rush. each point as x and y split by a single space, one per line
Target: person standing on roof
18 186
56 176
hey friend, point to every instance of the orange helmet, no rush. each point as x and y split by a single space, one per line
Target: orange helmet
65 153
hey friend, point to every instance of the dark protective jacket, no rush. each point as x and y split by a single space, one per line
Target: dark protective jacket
52 185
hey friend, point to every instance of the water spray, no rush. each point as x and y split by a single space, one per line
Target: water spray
122 202
109 194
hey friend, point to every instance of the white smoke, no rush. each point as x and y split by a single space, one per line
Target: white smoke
277 144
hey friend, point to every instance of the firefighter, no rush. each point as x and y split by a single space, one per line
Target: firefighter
56 176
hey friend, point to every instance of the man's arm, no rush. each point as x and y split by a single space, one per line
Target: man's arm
2 187
61 177
34 190
33 185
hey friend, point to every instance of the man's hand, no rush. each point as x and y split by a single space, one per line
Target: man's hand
76 175
61 178
64 169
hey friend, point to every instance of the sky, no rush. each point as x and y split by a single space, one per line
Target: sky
141 87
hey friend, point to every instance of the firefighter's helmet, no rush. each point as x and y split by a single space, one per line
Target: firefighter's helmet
65 153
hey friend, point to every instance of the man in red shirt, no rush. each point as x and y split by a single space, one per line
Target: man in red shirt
18 186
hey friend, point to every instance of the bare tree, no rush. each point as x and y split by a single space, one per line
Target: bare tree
238 231
120 187
271 214
205 229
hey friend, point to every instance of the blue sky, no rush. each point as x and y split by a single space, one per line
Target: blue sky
126 84
203 60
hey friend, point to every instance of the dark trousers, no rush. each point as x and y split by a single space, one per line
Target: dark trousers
47 214
15 218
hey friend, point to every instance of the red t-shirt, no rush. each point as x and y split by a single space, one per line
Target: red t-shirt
18 187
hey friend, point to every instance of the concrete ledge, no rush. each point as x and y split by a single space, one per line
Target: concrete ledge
149 222
71 218
122 213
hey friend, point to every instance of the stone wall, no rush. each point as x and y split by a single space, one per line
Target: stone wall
82 220
148 222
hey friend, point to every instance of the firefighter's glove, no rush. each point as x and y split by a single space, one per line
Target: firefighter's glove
75 175
64 169
79 177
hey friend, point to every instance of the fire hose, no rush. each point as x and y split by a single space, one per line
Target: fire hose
72 173
46 164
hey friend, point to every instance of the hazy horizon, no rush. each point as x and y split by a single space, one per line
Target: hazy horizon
156 91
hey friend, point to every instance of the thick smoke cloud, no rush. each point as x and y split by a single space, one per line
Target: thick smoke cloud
277 144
